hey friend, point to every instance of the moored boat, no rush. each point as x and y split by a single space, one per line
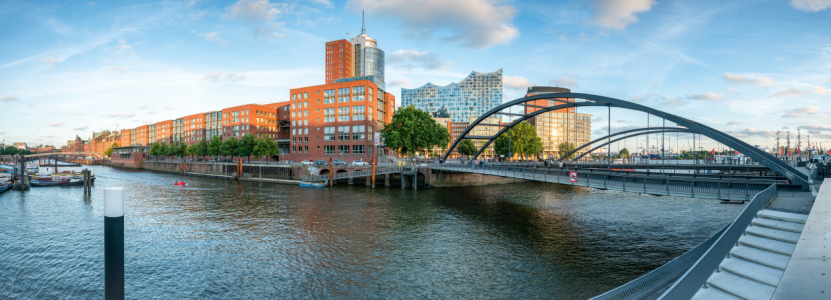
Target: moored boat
55 181
5 186
312 184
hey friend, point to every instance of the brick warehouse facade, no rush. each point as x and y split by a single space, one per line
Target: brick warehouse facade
338 120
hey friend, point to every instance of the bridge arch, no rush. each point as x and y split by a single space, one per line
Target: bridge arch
594 100
637 132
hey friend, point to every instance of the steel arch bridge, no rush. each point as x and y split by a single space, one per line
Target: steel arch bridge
756 154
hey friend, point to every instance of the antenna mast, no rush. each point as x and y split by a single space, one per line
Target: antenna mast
363 23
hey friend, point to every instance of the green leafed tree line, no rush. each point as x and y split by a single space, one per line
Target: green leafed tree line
247 146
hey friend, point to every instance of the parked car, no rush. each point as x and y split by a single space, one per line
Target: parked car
321 163
339 162
360 163
307 163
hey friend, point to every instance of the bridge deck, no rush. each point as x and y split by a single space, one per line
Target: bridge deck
654 185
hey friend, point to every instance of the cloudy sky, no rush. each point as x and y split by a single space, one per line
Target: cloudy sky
749 68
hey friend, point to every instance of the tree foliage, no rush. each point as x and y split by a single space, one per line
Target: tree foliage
467 148
215 146
564 148
154 149
265 147
245 147
229 147
623 152
521 140
109 152
413 130
201 148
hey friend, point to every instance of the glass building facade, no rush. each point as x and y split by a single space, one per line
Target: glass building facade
470 98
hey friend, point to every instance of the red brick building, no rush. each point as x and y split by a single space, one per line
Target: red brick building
193 128
164 132
339 60
338 120
258 120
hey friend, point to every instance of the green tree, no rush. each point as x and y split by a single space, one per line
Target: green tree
201 149
246 144
229 147
564 148
467 148
154 149
624 152
162 149
109 152
10 151
522 140
265 147
413 130
182 150
191 150
215 147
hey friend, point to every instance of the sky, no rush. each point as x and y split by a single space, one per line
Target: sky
748 68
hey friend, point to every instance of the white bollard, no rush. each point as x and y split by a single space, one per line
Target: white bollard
114 243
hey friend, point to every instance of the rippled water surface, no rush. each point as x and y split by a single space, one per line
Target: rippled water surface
228 239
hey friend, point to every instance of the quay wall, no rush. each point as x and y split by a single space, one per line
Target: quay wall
437 178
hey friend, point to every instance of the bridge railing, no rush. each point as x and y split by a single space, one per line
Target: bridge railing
697 275
361 173
659 277
744 189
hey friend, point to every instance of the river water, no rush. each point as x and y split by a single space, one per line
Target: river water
228 239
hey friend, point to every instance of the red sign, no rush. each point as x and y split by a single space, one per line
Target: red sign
713 152
572 176
737 152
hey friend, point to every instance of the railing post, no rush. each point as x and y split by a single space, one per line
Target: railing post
692 189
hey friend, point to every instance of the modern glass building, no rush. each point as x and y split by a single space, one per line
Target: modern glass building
470 98
369 59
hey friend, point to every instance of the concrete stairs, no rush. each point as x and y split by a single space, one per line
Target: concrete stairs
755 266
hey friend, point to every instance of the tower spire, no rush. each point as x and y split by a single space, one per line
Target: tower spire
363 23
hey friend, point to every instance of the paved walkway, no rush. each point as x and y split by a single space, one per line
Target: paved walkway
808 274
797 202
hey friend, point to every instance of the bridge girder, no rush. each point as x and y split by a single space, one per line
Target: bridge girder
594 100
621 138
646 130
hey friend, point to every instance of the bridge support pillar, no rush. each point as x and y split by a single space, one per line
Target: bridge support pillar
403 181
415 181
386 179
368 180
351 180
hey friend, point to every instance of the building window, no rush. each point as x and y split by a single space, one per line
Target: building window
358 133
369 149
358 149
343 149
343 94
343 113
329 133
358 113
329 96
293 131
305 149
328 149
306 96
329 114
343 133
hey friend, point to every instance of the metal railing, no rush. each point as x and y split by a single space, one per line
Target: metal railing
659 185
653 280
696 277
361 173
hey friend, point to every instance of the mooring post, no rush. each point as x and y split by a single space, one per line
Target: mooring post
403 181
386 179
114 243
373 173
331 172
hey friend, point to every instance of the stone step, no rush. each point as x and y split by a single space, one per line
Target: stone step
780 225
770 259
782 216
783 248
713 293
752 271
740 286
773 234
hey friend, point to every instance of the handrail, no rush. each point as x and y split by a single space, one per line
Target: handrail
696 277
660 276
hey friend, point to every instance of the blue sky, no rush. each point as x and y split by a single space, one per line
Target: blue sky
749 68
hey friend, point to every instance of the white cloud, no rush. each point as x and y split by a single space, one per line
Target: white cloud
113 115
516 82
565 81
791 92
731 123
58 124
811 5
410 59
617 14
564 38
473 23
253 10
268 33
801 112
92 3
400 82
123 46
213 37
821 90
143 106
82 128
707 96
741 79
8 98
779 59
230 77
674 102
50 61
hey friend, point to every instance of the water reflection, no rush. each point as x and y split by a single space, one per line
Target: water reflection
215 238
